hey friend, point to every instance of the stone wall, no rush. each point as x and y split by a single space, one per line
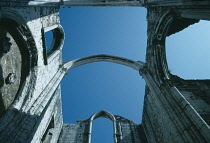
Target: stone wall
172 110
129 130
197 93
73 133
126 131
35 112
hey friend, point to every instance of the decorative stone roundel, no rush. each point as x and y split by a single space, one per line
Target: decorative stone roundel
18 57
11 65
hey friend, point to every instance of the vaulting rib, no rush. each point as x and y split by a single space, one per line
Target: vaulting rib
137 65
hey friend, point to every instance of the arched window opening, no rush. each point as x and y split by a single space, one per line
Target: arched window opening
52 41
49 40
188 52
57 42
102 130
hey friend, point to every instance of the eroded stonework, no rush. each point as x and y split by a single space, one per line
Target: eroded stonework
175 110
124 130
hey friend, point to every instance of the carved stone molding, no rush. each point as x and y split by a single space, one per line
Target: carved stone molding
18 60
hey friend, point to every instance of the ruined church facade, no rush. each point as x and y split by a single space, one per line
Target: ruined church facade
175 110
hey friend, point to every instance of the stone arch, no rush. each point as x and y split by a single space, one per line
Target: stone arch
104 114
168 22
108 115
22 35
137 65
159 64
58 37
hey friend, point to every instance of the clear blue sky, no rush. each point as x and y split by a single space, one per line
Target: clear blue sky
119 31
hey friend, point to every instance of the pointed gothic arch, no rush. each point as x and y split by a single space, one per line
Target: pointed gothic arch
108 115
104 114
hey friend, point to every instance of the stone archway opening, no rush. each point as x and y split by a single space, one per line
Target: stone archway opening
117 93
102 130
106 130
188 51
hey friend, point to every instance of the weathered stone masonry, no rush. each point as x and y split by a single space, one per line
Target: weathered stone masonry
175 110
124 129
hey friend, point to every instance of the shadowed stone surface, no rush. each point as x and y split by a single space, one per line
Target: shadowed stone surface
11 67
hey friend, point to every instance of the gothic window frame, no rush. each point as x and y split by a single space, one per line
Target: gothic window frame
57 42
104 114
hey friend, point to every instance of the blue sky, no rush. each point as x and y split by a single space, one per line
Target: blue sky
188 52
119 31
